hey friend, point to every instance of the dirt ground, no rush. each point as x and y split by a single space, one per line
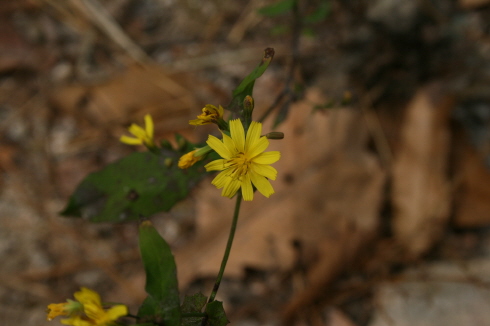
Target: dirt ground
382 202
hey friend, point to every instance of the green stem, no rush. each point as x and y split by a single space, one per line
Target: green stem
226 254
228 248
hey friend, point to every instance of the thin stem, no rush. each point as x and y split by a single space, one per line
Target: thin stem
226 254
228 248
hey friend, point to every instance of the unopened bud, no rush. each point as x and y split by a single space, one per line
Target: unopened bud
275 135
248 105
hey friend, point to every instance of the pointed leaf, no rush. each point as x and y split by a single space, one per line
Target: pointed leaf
246 86
216 314
162 304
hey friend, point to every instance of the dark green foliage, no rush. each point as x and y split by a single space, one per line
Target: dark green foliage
162 304
216 314
193 304
136 186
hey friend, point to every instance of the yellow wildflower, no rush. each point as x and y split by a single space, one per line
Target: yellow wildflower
210 114
141 136
86 311
188 160
244 161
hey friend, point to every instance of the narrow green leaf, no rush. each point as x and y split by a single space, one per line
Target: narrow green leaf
277 9
216 314
162 304
246 86
136 186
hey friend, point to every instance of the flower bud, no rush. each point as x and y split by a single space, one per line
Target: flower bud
275 135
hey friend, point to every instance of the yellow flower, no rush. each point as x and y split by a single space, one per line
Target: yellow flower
188 160
210 114
244 161
86 311
141 136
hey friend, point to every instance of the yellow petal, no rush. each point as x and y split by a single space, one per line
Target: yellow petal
116 312
130 140
253 134
230 144
219 147
258 147
196 122
267 157
221 180
247 190
149 126
264 170
262 184
238 134
137 131
87 296
216 165
230 188
56 309
77 321
221 111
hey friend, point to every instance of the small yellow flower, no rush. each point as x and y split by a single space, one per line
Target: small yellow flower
141 136
244 161
210 114
86 311
188 160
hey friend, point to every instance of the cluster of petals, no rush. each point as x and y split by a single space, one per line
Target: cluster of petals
141 136
244 161
210 114
188 160
87 310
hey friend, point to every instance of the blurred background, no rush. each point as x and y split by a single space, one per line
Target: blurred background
382 202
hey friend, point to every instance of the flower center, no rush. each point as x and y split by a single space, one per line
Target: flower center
238 166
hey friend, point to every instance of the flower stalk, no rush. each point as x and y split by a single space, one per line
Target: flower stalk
224 261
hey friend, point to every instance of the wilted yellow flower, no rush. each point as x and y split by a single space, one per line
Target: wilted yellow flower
244 161
210 114
141 136
188 160
86 311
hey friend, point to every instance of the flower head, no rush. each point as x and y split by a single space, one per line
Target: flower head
86 311
188 160
210 114
243 162
141 136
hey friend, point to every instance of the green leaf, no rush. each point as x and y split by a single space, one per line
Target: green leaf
136 186
246 86
162 304
277 9
319 14
193 304
216 314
